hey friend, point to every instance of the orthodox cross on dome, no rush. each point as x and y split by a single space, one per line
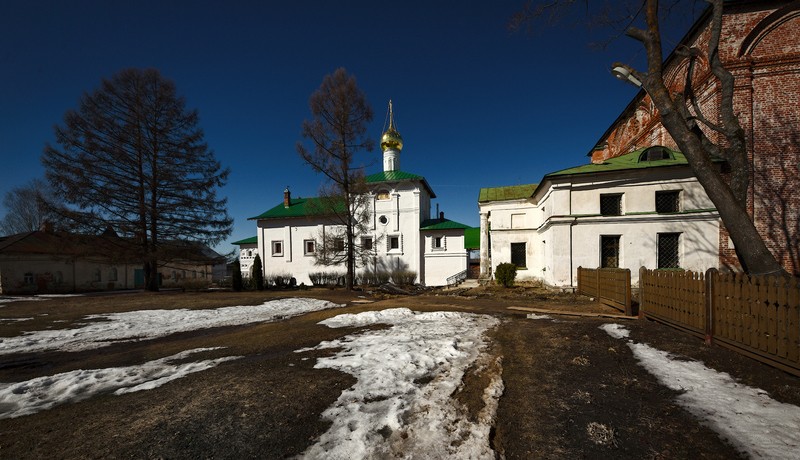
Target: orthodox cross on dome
391 139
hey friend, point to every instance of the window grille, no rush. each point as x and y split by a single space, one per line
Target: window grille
277 248
611 205
338 244
609 251
366 244
668 250
668 201
518 255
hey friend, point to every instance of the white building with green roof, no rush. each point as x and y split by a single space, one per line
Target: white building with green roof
402 234
644 208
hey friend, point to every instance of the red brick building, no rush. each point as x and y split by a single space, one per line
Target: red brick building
760 45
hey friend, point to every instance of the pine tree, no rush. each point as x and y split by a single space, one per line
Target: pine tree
258 273
237 276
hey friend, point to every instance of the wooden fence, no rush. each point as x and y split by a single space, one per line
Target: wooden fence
755 315
610 286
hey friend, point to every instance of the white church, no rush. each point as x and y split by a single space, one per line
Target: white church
401 231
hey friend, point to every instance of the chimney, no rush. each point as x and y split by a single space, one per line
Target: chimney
441 215
46 227
287 197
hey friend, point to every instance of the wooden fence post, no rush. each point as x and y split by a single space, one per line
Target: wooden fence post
628 306
710 294
642 272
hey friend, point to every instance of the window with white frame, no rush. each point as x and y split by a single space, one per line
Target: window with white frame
366 243
338 244
277 248
609 251
669 250
519 255
393 243
308 247
438 243
611 204
668 201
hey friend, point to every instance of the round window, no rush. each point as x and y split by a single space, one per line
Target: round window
383 219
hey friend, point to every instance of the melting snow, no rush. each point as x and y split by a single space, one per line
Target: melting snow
402 405
131 326
42 393
745 416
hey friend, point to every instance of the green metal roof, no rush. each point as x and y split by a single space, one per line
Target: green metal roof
511 192
472 238
391 176
441 224
251 240
625 162
386 176
298 207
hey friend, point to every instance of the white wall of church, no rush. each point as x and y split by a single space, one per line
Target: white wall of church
281 244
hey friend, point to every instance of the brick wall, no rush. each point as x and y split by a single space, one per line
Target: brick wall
760 45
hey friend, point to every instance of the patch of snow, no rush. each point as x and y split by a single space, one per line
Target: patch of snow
43 393
148 324
745 416
617 331
401 404
14 320
535 316
4 300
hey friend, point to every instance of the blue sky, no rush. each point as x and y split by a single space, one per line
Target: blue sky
477 105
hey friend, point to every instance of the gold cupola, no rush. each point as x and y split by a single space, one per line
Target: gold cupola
391 139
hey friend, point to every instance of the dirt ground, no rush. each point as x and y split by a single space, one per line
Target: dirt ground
571 390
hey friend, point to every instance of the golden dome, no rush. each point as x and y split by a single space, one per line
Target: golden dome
391 139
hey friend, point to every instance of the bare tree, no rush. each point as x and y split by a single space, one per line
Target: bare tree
688 125
337 132
133 158
683 118
28 208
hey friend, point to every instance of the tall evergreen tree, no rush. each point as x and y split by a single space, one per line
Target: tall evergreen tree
258 273
236 281
134 158
337 133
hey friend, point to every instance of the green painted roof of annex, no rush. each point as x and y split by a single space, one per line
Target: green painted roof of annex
394 176
251 240
298 207
507 193
637 159
472 238
441 224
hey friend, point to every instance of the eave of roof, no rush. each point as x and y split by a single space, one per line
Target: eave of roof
298 207
507 193
251 240
399 176
623 162
441 224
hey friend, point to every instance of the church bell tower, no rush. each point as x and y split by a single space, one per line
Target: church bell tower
391 144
